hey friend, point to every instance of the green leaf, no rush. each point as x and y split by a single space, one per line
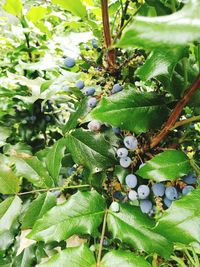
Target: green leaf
81 214
54 159
33 170
180 223
90 150
4 134
36 13
160 62
119 258
75 6
168 165
26 258
13 7
129 110
133 227
9 212
73 119
177 29
37 209
76 256
9 182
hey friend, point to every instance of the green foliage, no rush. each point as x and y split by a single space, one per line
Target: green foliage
80 182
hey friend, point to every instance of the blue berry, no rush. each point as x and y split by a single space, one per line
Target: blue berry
190 178
145 206
32 118
132 195
116 130
47 118
187 189
71 170
118 195
90 91
69 62
94 125
80 84
105 242
125 162
143 191
116 88
94 43
115 206
92 102
167 202
131 180
122 152
130 142
158 189
65 88
171 193
87 48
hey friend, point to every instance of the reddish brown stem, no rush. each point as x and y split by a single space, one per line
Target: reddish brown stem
175 113
107 36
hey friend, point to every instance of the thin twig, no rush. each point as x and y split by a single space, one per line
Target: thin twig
61 188
176 113
183 122
101 240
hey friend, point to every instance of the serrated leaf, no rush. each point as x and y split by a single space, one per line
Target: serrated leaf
77 257
90 149
9 212
26 258
169 165
129 110
54 159
81 214
73 119
181 222
13 7
9 182
133 227
33 170
177 29
119 258
75 6
37 209
160 62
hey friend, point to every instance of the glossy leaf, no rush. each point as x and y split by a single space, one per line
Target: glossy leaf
119 258
129 110
9 182
26 258
81 214
177 29
90 149
77 257
37 209
75 6
4 134
54 159
9 212
181 222
131 226
168 165
33 170
13 7
73 119
36 13
160 62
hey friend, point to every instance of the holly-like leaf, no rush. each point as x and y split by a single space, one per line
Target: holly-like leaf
177 29
9 182
38 208
9 212
76 256
81 214
119 258
129 110
131 226
90 150
160 62
33 170
73 119
26 258
75 6
181 222
54 159
13 7
168 165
